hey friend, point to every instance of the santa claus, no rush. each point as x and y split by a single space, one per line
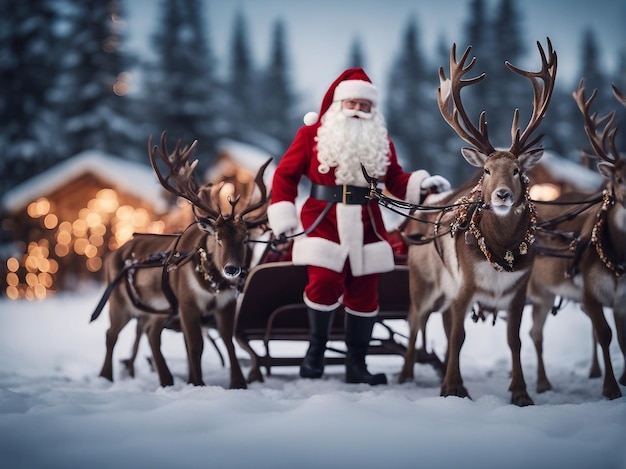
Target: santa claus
346 246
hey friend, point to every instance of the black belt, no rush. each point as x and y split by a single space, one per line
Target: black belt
345 194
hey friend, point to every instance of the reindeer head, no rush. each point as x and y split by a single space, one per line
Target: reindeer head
228 243
503 183
612 166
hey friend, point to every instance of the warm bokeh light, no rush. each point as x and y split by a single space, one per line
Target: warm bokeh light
50 221
544 192
103 224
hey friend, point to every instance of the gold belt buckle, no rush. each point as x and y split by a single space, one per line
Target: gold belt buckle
344 194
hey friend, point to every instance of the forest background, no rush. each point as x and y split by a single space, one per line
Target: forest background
105 75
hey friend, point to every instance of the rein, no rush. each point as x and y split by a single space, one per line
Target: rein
167 261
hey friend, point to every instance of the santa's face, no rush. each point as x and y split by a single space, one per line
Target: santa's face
350 136
361 108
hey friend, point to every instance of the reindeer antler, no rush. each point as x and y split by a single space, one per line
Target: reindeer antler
449 96
251 207
543 86
180 178
603 143
619 95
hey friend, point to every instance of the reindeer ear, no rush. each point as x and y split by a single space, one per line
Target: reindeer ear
529 159
207 225
474 157
605 169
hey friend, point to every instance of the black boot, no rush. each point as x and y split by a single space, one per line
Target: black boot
358 335
320 323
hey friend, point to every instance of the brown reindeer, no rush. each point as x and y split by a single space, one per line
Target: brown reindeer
593 272
192 274
488 257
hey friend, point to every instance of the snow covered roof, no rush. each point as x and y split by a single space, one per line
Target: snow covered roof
564 170
247 156
128 176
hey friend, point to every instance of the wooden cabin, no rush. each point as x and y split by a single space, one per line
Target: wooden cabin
555 175
63 221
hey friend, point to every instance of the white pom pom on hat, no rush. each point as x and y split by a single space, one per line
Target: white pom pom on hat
310 118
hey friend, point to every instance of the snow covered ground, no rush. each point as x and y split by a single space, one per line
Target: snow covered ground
56 412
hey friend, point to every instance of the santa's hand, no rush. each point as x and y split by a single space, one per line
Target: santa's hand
434 185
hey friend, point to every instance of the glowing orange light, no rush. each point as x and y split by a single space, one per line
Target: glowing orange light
13 264
50 221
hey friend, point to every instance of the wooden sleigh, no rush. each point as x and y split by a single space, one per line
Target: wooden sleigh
271 309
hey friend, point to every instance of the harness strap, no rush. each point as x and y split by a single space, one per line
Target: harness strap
107 293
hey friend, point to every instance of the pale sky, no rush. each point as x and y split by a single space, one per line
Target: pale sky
320 33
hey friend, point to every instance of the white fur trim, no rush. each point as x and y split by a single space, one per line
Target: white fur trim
364 259
350 228
377 258
310 118
320 307
359 89
361 314
319 252
414 186
282 217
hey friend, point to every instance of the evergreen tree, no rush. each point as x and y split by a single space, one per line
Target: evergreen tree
408 118
620 81
276 116
506 90
243 110
180 88
478 36
90 94
446 143
593 79
26 68
357 57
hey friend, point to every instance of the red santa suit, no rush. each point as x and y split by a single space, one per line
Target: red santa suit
348 249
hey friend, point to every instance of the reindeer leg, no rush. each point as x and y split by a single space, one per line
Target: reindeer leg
452 384
119 317
406 374
540 311
155 327
446 320
190 321
255 373
610 389
519 394
594 370
620 327
129 363
226 326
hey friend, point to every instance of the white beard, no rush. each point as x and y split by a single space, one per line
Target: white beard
345 142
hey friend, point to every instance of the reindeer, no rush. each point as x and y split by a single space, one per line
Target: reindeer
488 257
192 274
593 272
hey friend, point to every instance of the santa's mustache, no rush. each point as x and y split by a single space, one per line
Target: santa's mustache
356 113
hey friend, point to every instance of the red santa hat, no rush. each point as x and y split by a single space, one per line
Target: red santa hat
353 83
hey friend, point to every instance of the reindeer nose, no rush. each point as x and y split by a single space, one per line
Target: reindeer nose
231 270
504 194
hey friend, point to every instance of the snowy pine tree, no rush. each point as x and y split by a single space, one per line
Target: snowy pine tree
27 36
90 94
181 88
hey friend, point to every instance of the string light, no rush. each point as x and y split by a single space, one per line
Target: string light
103 224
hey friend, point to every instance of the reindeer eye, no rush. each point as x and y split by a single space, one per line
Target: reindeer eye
487 171
515 172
